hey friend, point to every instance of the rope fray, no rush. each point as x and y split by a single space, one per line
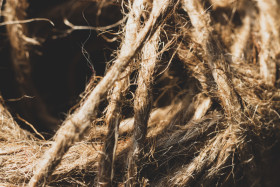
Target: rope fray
69 133
191 97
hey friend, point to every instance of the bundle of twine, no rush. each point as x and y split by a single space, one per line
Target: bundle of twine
216 62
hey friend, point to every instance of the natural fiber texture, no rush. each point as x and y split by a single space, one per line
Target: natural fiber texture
113 119
113 115
15 10
269 24
77 124
142 108
10 130
215 58
190 96
243 34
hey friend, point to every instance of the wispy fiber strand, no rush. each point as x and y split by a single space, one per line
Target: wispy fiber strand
204 113
142 108
77 124
200 19
113 114
15 12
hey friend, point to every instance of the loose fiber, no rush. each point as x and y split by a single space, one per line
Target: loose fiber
142 107
15 10
215 58
191 97
76 125
113 115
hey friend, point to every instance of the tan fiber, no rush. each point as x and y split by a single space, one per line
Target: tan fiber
21 44
215 58
142 107
244 33
10 130
269 31
158 93
77 123
113 114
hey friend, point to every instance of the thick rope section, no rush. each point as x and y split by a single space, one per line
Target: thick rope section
270 39
77 124
200 19
142 109
212 130
219 149
15 12
240 47
113 114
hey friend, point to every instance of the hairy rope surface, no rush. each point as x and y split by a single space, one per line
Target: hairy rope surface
113 115
76 124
